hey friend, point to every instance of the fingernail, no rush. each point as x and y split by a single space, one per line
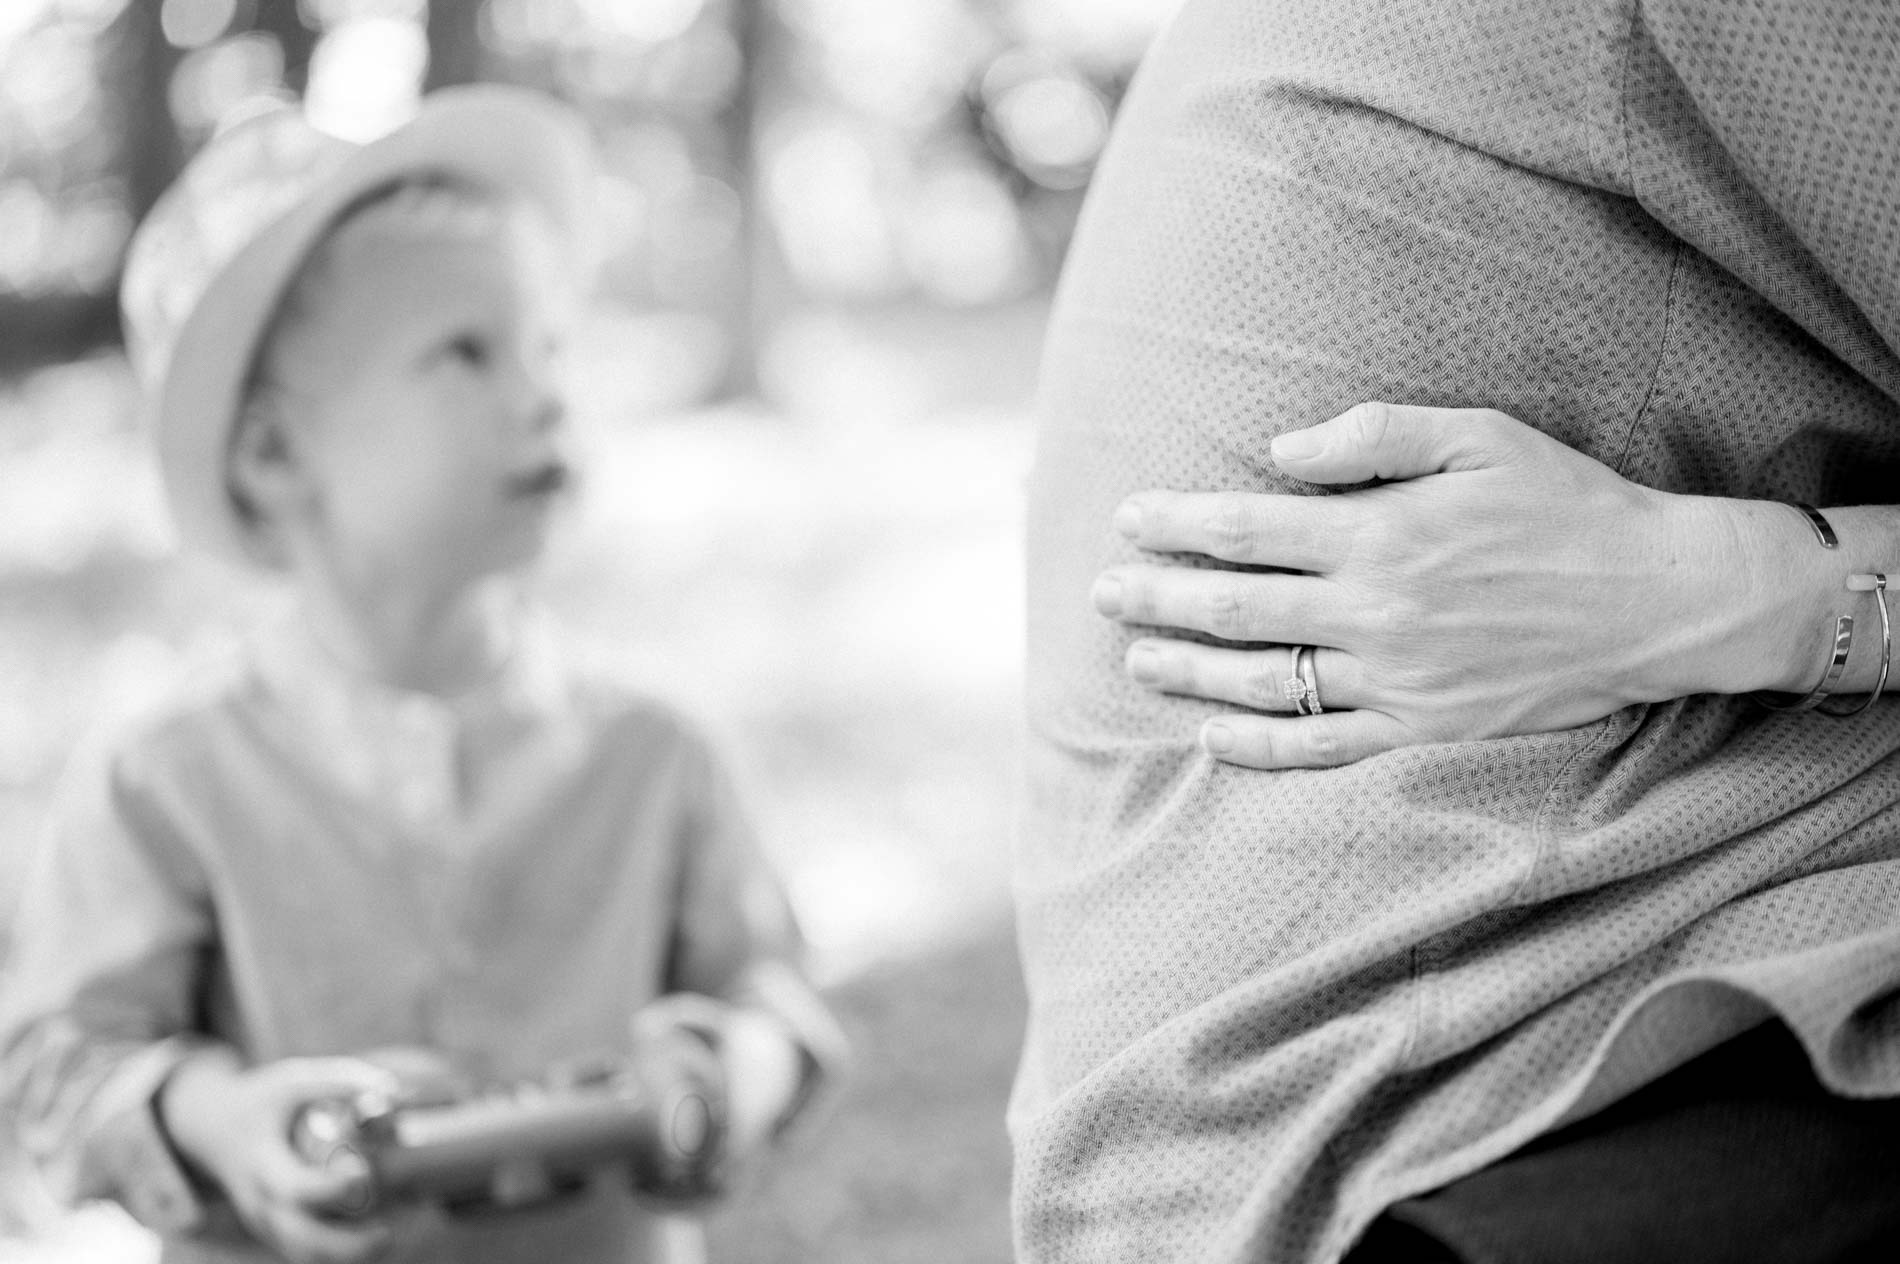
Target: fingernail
1128 519
1107 595
1144 664
1217 738
1297 445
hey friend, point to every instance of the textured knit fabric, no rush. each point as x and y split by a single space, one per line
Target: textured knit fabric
1265 1005
303 863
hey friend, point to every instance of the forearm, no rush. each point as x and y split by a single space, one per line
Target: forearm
188 1105
84 1105
1759 603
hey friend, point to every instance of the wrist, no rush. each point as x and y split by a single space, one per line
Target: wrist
187 1103
765 1074
1781 590
1773 593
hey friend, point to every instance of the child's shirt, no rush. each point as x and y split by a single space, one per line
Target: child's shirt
299 862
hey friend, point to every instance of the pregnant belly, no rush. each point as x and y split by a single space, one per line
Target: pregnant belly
1257 257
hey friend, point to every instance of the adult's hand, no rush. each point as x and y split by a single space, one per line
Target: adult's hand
1499 582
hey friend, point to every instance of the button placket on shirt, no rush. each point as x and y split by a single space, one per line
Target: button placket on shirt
425 786
404 755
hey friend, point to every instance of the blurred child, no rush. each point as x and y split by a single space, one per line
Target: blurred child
404 828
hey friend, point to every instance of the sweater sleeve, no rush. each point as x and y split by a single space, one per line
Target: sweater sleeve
99 996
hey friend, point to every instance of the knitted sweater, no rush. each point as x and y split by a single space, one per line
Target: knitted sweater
1265 1005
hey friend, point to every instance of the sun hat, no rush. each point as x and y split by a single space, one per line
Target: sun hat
207 268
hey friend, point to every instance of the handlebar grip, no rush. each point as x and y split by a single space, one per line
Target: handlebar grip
323 1131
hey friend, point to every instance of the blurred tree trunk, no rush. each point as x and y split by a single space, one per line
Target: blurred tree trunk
135 67
455 44
751 32
137 73
282 19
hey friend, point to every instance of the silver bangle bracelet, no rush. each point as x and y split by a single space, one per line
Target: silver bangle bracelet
1823 529
1830 675
1876 584
1843 634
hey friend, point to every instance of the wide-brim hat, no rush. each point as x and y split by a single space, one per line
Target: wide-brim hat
208 267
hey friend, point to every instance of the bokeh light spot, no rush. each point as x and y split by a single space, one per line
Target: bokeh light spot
25 222
90 17
93 227
192 24
517 26
653 21
1053 122
49 80
964 242
216 81
823 186
366 77
1107 31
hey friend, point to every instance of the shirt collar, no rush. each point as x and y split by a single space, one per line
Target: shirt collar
403 746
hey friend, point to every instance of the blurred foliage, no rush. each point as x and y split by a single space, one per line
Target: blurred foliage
762 156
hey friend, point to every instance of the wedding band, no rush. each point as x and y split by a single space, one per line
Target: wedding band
1294 687
1308 701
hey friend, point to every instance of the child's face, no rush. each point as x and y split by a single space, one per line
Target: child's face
423 379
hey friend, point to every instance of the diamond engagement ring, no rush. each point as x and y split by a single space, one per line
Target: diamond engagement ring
1301 686
1294 686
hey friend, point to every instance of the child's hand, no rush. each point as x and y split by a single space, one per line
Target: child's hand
234 1123
760 1062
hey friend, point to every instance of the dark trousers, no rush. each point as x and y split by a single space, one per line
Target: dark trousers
1738 1156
